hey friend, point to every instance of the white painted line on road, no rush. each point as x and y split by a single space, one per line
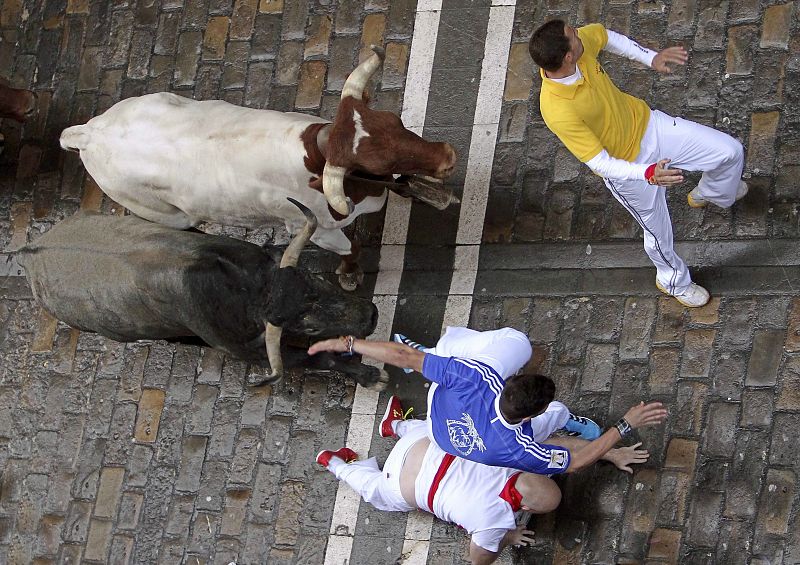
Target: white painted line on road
466 270
470 222
415 106
398 211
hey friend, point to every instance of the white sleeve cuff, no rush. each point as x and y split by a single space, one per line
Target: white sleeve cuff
626 47
489 539
609 167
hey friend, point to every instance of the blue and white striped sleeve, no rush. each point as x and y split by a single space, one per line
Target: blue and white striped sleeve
539 458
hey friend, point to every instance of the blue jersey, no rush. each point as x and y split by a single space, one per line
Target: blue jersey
465 418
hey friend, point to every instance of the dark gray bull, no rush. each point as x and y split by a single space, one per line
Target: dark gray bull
130 279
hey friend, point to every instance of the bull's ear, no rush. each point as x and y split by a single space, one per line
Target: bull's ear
315 183
365 97
274 253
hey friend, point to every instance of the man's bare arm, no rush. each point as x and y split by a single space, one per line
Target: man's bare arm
638 416
517 536
395 354
621 457
480 556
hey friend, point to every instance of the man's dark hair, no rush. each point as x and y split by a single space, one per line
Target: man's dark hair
549 45
526 396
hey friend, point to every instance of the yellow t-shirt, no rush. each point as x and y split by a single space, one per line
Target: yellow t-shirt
592 114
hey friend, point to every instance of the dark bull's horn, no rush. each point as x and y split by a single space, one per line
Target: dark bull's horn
332 175
272 335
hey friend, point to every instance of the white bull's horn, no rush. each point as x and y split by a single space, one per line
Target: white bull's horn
292 253
357 81
272 337
333 187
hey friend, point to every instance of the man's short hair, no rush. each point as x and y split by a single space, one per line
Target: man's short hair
549 45
525 396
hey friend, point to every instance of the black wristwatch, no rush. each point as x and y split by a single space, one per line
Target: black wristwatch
623 427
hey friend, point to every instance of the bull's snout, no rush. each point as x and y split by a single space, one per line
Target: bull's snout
448 162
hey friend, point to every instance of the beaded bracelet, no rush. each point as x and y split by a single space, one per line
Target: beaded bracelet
623 427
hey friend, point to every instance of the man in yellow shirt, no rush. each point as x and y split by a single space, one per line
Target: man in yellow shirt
637 151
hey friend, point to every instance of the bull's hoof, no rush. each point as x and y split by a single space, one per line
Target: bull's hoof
261 379
350 281
378 383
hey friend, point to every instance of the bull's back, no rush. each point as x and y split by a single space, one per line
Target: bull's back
93 276
210 160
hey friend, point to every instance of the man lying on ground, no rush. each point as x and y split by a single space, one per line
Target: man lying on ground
479 411
479 498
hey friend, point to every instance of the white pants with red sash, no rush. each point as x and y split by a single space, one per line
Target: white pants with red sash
381 488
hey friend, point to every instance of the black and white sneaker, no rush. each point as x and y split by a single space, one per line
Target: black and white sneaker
582 427
400 338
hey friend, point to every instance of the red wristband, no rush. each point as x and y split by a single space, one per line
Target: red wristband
650 174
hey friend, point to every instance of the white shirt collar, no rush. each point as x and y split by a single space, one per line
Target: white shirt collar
501 418
573 78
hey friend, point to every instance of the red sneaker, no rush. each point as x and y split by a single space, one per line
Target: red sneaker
394 412
345 454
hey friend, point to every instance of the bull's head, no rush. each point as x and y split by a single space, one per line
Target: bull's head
17 104
306 304
375 141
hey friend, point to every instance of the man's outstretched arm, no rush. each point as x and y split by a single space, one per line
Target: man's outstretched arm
395 354
638 416
621 457
661 61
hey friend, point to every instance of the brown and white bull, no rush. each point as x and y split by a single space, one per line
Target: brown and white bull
180 162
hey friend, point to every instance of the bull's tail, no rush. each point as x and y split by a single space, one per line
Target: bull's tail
75 138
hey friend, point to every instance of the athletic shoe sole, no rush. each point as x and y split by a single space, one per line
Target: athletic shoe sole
662 289
702 203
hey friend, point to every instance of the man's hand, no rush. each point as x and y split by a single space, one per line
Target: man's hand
335 345
396 354
665 176
643 414
520 536
669 56
623 457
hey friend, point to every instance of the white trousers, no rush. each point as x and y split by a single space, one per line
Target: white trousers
381 488
505 350
691 147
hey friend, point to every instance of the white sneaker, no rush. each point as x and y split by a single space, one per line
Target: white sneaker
696 201
693 296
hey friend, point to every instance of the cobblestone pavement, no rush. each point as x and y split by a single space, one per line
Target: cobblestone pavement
158 453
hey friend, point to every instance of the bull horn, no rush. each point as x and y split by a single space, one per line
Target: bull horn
273 333
295 247
333 188
357 81
272 338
